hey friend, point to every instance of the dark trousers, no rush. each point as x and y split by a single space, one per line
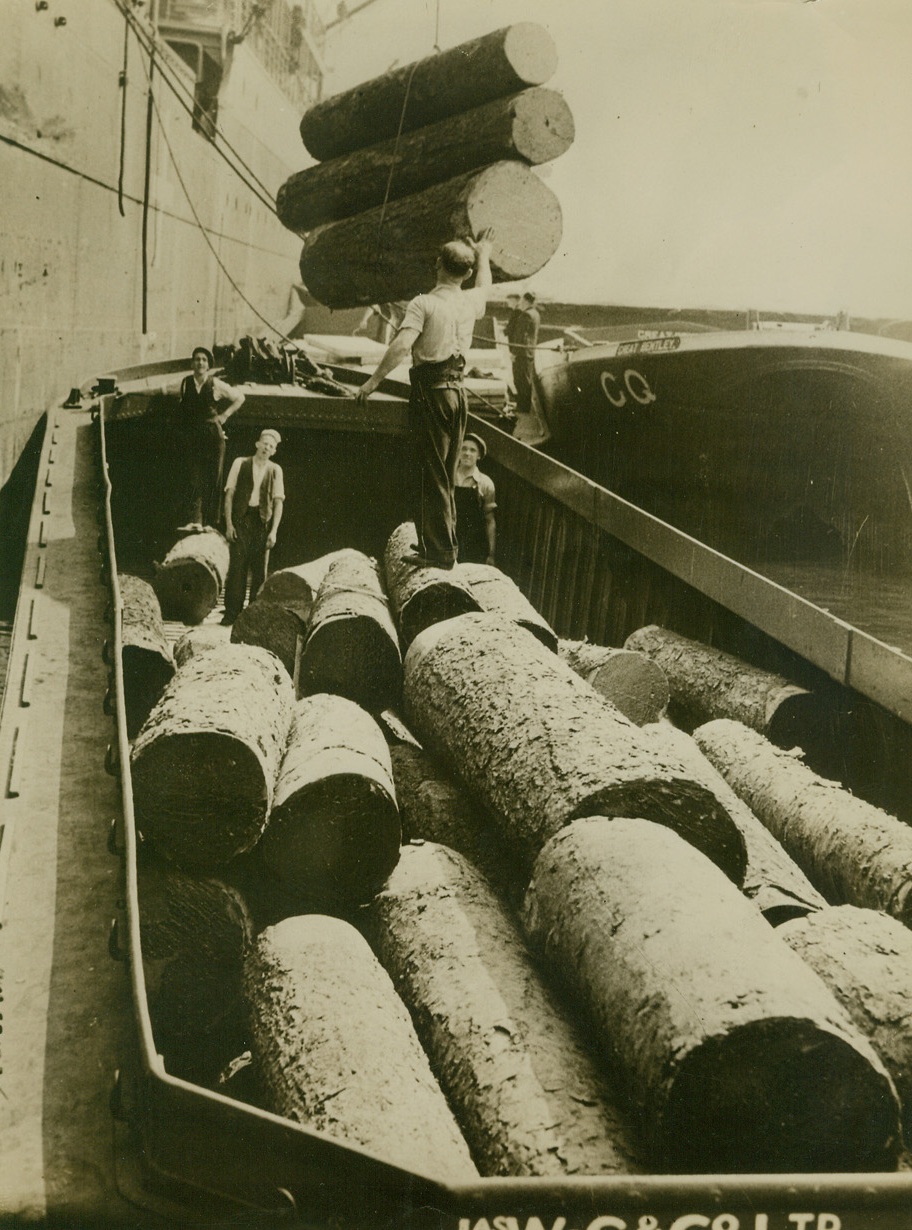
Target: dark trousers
437 416
523 371
205 454
248 555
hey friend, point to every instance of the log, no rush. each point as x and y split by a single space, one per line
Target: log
632 682
527 1095
853 853
389 253
200 640
865 958
273 626
204 765
146 656
499 594
734 1055
334 833
773 881
420 597
538 747
337 1052
463 77
191 576
297 587
193 934
708 683
352 648
532 127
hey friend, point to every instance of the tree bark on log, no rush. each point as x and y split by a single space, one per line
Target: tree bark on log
532 127
527 1095
734 1054
632 682
193 934
773 881
865 958
708 683
205 763
272 626
352 648
389 253
539 747
853 853
200 640
420 597
297 587
191 577
463 77
498 594
334 833
336 1050
146 656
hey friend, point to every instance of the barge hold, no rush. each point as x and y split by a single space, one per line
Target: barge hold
84 1069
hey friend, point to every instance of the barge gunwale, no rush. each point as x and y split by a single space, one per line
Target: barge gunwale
275 1164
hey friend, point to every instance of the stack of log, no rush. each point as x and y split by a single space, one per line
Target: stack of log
430 152
146 657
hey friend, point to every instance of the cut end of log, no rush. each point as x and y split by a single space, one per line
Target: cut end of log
531 53
272 626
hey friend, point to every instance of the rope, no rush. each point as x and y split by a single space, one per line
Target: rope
393 161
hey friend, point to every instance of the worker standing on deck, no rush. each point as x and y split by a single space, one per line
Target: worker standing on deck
254 500
475 504
437 328
522 334
203 438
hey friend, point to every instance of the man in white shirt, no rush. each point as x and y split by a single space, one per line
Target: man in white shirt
254 499
437 328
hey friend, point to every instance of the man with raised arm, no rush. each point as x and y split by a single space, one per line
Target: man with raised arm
437 328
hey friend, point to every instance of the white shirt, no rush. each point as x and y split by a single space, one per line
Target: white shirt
278 491
445 319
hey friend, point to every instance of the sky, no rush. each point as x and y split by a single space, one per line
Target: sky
729 153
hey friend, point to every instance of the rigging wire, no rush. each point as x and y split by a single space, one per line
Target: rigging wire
123 120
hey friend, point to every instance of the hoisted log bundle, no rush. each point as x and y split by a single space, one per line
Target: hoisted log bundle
389 253
708 683
865 958
205 763
632 682
419 596
352 648
527 1095
734 1055
532 127
200 640
334 833
193 934
297 587
191 576
774 882
498 594
146 656
493 66
272 626
336 1050
538 747
855 854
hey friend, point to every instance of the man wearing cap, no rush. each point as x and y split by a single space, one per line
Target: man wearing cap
254 499
475 504
437 328
203 440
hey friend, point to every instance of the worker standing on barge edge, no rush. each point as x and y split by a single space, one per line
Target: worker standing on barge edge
203 438
437 328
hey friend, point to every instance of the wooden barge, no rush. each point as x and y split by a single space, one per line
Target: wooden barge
93 1129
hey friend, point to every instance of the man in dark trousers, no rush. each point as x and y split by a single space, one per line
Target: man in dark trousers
522 334
437 328
254 500
202 438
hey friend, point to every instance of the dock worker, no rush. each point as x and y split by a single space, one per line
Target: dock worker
437 329
201 428
522 335
254 500
476 530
